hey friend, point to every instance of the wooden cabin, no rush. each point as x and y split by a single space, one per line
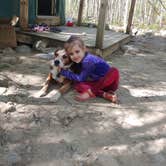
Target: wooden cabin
36 8
98 40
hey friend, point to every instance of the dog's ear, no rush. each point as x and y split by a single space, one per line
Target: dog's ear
56 51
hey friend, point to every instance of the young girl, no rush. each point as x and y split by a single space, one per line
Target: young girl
96 78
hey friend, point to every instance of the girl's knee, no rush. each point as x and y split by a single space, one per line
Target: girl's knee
81 87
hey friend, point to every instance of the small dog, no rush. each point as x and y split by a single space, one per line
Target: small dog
61 60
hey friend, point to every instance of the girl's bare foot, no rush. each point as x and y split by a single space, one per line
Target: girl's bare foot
111 97
85 96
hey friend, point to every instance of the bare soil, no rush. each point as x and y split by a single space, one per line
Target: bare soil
38 132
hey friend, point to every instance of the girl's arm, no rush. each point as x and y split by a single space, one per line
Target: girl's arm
86 71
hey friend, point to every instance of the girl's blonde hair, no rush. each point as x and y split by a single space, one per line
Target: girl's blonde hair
74 40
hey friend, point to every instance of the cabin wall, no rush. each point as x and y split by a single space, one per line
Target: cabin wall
8 8
15 7
5 9
32 11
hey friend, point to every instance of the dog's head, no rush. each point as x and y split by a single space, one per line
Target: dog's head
62 60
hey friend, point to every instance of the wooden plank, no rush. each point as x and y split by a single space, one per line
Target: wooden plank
130 19
24 38
112 40
87 34
115 46
101 24
24 14
31 39
80 12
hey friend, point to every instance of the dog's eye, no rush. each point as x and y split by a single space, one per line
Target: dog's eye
64 56
56 54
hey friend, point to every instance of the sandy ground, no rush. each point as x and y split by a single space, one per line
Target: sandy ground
37 132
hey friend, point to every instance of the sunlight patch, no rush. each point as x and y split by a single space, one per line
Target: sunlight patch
146 92
132 121
156 146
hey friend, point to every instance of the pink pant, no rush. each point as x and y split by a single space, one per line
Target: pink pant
107 83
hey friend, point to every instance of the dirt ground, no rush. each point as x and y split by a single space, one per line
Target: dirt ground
38 132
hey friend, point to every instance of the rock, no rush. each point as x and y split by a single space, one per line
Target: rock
131 49
23 49
9 107
10 60
8 50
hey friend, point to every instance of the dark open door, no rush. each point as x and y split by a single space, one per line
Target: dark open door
45 7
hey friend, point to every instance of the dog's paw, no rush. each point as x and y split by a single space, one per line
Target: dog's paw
55 96
40 93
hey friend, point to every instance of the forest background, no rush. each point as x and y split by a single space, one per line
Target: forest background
148 14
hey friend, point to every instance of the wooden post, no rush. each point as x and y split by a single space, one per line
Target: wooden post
101 24
24 14
130 19
80 12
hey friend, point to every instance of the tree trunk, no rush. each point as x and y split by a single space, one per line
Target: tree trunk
126 14
131 12
80 12
161 16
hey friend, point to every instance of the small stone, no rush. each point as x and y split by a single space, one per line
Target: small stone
13 158
104 159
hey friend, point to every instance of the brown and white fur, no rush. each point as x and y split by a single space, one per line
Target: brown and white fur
63 61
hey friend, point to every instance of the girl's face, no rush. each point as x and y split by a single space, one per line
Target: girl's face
76 53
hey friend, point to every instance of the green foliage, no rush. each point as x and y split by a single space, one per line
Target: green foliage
154 27
4 66
149 27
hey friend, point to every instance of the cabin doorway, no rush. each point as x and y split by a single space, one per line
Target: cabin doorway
46 7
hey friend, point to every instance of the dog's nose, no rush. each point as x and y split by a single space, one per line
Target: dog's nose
56 62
